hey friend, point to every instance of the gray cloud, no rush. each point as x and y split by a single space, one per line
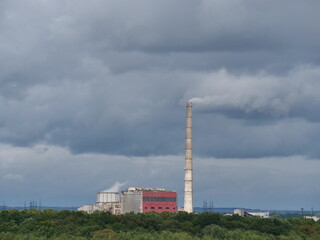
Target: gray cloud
138 113
199 25
227 138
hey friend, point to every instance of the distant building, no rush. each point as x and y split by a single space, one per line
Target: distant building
315 218
243 213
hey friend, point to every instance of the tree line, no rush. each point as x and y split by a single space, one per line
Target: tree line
64 225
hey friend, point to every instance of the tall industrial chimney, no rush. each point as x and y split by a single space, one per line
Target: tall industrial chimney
188 205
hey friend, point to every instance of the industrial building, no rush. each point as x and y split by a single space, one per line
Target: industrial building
314 218
143 200
134 199
243 213
106 201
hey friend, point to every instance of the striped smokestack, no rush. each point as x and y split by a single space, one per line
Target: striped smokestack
188 205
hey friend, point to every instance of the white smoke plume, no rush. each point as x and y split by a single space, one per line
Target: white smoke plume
249 95
116 187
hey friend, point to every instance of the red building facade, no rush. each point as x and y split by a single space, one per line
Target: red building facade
159 201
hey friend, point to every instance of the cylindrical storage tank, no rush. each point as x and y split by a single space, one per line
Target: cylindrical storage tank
107 197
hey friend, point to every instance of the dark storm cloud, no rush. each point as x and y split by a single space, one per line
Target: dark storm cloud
228 138
239 35
127 114
113 76
199 25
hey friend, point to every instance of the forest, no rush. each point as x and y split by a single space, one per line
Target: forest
72 225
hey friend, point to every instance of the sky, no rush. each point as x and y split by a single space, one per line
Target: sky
93 94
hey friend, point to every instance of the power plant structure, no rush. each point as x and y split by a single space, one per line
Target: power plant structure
188 184
143 200
134 199
106 202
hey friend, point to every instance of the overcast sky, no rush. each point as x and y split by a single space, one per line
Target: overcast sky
93 93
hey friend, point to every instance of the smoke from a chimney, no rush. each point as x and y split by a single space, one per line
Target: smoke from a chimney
116 187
